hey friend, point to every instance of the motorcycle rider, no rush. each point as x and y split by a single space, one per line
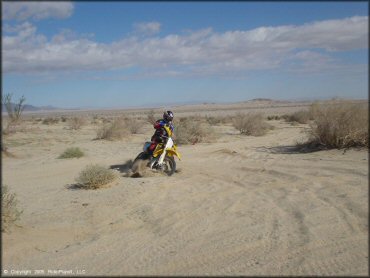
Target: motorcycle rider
160 132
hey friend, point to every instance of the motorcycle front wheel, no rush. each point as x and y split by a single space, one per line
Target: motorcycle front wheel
169 165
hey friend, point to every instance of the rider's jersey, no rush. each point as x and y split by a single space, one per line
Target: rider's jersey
161 127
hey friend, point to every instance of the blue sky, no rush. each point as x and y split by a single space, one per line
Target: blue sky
122 54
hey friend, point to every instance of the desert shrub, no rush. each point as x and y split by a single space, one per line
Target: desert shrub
71 153
14 111
285 117
150 117
273 117
251 124
188 131
214 120
10 212
50 121
76 123
133 125
340 124
107 120
63 119
95 176
302 117
5 151
113 131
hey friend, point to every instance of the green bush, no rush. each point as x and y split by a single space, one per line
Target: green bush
95 176
71 153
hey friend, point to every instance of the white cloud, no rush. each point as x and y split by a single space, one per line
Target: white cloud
36 10
149 28
203 52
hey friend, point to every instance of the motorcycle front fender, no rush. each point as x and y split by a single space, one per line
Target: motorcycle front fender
173 152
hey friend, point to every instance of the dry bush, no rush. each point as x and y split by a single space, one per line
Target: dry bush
14 111
76 123
151 117
71 153
50 121
188 131
339 124
134 125
113 131
5 151
107 120
212 120
95 176
302 117
9 212
251 124
273 117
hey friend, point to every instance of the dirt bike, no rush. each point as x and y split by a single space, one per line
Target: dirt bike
163 155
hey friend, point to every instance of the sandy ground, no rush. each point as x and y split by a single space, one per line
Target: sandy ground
240 206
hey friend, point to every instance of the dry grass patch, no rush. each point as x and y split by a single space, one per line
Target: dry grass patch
95 176
251 124
76 123
302 116
212 120
72 153
134 125
113 131
189 131
150 117
10 212
50 120
5 151
273 117
339 124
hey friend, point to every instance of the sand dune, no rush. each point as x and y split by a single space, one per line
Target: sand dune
240 206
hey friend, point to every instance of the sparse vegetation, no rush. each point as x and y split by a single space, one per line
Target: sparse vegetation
151 117
212 120
95 176
5 151
50 120
76 123
251 124
14 112
133 125
10 212
302 117
273 117
72 153
339 124
188 131
113 131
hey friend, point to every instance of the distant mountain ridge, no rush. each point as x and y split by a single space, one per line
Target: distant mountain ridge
28 107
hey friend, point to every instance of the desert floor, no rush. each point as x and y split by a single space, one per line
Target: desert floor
243 205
